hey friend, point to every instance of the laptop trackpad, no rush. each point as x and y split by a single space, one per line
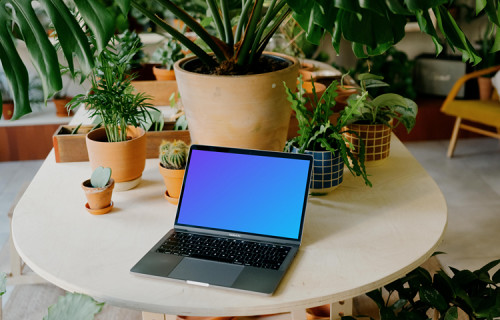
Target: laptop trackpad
215 273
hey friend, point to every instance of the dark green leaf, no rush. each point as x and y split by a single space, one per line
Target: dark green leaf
399 304
99 20
464 277
496 277
124 6
445 285
432 297
43 54
423 5
376 296
387 314
451 314
490 265
73 40
14 68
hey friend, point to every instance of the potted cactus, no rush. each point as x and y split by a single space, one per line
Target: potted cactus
98 190
173 157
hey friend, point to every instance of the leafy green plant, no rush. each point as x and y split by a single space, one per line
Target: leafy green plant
168 54
111 97
397 69
74 306
381 109
100 177
173 154
416 295
371 26
317 133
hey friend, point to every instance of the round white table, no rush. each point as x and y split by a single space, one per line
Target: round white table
355 239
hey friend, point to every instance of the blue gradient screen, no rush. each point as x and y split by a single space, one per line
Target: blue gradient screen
244 193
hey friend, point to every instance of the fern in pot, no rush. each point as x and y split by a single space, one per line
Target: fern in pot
121 143
323 137
375 117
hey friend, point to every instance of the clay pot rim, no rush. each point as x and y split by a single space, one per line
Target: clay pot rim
86 184
178 67
90 135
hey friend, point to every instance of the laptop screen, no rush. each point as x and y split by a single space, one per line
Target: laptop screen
248 191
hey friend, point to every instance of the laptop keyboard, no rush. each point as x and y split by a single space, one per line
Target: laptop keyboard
236 251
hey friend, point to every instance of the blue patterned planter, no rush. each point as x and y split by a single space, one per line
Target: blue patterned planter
328 171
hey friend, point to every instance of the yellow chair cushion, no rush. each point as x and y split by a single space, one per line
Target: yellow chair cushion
482 111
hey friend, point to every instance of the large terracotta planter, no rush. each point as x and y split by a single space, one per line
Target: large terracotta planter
126 159
327 172
98 199
377 139
163 74
173 182
249 111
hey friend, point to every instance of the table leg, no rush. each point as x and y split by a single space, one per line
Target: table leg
298 314
152 316
340 309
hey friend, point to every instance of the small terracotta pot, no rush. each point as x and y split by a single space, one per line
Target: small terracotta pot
307 71
98 198
7 110
318 313
308 86
173 182
377 139
127 159
61 110
163 74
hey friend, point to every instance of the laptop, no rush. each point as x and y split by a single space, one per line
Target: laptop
239 220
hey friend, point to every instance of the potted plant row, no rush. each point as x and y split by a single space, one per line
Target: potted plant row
242 30
323 137
373 119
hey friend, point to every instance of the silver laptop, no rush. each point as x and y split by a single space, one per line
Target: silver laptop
239 220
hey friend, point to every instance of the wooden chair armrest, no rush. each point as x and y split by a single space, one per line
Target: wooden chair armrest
461 81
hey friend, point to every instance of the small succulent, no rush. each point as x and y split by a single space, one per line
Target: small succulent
168 54
173 154
100 177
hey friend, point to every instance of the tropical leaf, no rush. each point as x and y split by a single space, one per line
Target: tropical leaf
14 67
74 306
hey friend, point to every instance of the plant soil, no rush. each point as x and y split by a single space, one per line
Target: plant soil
230 68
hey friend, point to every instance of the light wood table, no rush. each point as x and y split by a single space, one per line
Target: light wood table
355 239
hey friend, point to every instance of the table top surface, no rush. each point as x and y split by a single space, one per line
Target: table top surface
355 239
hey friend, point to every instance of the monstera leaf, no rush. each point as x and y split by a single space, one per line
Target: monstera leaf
74 306
19 22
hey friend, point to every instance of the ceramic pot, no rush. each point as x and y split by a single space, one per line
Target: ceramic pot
61 110
7 110
126 159
98 199
327 172
485 88
163 74
377 139
173 182
308 87
318 313
307 71
343 94
249 111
